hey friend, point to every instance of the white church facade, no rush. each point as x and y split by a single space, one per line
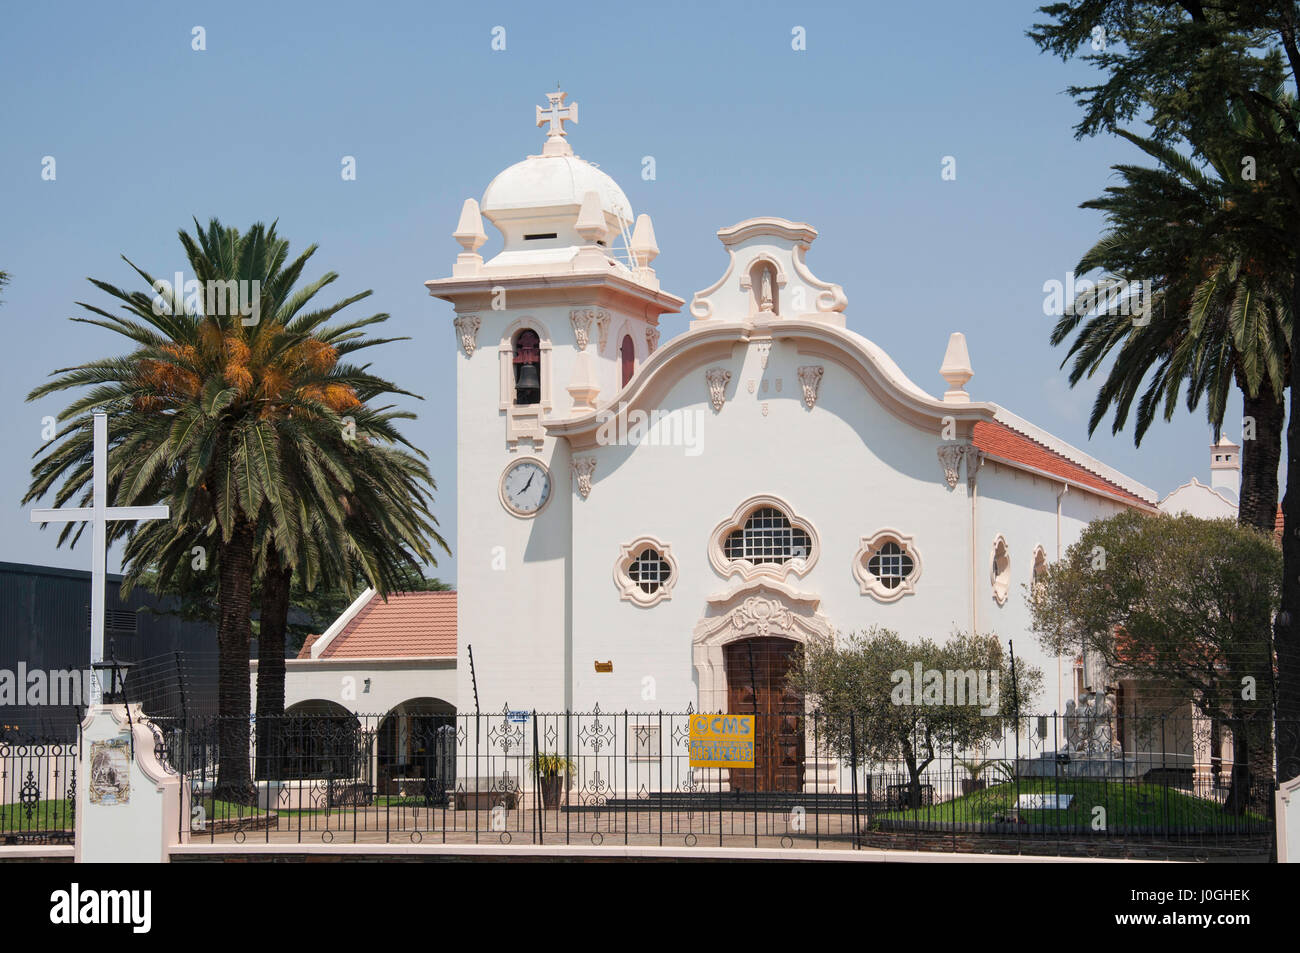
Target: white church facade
630 507
639 518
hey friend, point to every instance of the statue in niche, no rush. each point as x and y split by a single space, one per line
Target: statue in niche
765 300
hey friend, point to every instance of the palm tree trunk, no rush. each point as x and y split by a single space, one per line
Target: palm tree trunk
234 634
1259 459
1287 625
270 664
1257 507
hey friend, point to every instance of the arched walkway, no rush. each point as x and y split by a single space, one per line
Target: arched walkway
317 739
416 750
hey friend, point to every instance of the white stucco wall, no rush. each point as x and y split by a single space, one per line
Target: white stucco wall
1200 501
343 681
848 467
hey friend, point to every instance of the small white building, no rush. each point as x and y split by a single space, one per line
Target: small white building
384 667
1219 499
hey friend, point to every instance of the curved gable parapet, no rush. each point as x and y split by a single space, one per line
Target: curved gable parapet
714 342
794 290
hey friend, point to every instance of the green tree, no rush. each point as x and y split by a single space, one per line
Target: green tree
1181 601
868 678
1184 67
252 428
1213 317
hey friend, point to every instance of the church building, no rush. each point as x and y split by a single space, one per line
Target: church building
650 524
635 513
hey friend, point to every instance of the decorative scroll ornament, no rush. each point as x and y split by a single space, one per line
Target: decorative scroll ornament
583 467
467 326
718 378
601 317
652 338
761 616
581 320
810 378
950 455
974 458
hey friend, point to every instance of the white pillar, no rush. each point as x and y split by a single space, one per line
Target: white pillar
129 808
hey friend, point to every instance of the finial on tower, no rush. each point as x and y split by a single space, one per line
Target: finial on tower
956 369
557 114
471 237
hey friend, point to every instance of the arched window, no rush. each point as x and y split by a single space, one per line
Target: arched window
887 565
645 571
763 537
1000 571
628 351
1038 574
528 367
767 537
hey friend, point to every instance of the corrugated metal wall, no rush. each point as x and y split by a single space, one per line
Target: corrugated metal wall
45 624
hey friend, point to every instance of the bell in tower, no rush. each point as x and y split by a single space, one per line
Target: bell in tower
528 362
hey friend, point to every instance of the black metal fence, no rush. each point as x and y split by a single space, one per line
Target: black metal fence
1168 787
38 792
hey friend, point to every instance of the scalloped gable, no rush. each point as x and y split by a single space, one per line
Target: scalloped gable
780 246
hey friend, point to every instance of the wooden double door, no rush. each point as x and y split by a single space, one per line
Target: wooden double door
756 685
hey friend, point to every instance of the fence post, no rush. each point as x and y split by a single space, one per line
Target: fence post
537 784
129 806
853 755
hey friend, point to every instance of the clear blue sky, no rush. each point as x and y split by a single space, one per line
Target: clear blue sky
848 135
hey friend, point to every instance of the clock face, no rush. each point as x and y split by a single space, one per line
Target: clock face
526 487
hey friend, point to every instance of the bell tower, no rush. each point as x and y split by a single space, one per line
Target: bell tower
548 329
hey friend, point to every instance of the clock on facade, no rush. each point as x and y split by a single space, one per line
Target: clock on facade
526 487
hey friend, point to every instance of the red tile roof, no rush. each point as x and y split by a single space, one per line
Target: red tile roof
999 440
409 624
307 643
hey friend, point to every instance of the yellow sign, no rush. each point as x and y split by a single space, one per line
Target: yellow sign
722 741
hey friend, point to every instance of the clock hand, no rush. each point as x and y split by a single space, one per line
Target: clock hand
529 483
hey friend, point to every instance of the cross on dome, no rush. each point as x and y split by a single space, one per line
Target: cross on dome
557 114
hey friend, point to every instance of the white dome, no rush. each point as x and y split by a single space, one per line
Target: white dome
551 182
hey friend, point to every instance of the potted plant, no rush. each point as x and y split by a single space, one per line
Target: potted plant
549 768
976 768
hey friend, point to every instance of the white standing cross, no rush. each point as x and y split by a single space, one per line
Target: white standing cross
98 514
557 114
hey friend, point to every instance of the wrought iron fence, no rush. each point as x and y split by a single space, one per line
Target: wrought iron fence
38 792
1163 785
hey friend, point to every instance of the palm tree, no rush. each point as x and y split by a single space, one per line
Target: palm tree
1219 316
245 425
1218 311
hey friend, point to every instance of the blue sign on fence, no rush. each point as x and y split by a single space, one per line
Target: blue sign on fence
517 717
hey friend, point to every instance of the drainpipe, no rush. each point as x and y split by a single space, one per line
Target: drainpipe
1065 488
973 460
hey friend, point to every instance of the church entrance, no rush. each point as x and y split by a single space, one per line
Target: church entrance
756 684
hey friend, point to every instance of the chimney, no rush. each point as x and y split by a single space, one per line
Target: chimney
1225 466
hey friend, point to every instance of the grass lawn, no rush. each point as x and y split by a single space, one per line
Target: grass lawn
46 816
217 810
1126 804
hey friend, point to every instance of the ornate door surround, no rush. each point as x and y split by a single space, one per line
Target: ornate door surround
759 609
